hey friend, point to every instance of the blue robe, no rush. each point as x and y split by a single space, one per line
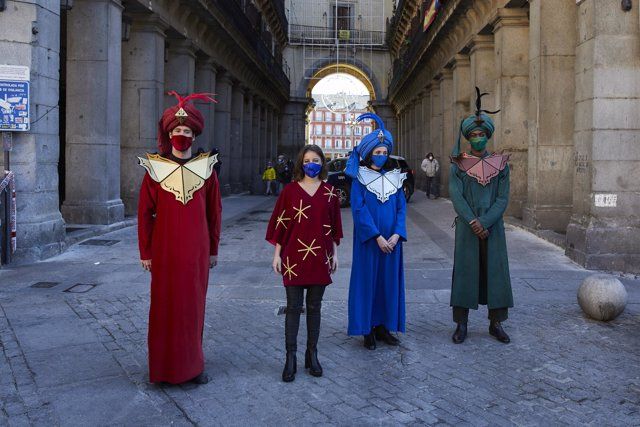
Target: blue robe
376 290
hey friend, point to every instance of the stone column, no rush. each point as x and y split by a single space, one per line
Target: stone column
36 154
418 133
461 68
552 45
179 69
293 127
205 82
264 143
385 111
237 141
93 113
407 150
511 31
604 232
269 133
436 118
142 101
250 157
222 128
257 145
448 137
483 65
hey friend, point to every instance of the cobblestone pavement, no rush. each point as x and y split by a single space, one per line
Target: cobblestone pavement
73 358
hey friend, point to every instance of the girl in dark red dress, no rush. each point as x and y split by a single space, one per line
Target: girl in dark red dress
306 229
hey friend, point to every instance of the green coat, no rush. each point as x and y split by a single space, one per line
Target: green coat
472 200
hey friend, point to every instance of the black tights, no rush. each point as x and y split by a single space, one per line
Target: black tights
295 296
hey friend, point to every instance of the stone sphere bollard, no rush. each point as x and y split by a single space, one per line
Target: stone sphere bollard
602 297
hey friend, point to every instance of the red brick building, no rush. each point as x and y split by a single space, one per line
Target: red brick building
336 133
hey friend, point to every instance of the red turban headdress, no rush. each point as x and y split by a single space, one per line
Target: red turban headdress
182 114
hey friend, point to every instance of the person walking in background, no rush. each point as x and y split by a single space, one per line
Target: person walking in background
284 172
269 177
431 167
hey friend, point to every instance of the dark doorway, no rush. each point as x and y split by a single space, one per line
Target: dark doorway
342 17
62 102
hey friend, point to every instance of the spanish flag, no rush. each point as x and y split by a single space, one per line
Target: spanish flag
430 14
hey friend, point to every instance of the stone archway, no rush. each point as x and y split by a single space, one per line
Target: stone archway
352 70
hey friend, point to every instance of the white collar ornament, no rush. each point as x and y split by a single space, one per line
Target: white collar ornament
383 185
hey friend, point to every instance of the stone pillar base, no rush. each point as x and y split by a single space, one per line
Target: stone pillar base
554 218
602 247
105 213
40 239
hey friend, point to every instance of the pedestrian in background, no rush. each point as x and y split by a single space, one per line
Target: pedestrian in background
431 167
305 229
284 172
269 177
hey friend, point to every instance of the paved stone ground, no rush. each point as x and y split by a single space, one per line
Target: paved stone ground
80 358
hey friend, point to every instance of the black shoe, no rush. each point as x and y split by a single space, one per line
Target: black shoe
290 367
311 362
383 334
460 334
495 329
203 378
370 341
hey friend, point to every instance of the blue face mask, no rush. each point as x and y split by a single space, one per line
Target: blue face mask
379 159
312 169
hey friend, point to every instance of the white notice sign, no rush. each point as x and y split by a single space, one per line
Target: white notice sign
606 200
14 72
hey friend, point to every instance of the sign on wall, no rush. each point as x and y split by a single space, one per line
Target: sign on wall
14 98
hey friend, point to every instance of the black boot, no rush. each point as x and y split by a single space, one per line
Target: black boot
203 378
312 363
370 340
460 334
290 367
495 329
383 334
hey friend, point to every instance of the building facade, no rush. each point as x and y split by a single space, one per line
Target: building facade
100 71
565 76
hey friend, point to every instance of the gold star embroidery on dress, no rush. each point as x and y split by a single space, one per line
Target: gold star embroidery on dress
328 227
330 193
300 212
307 249
281 220
329 259
289 269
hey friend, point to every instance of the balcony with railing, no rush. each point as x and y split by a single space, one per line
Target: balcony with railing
249 27
307 34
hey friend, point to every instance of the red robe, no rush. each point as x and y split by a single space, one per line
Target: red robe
306 227
179 239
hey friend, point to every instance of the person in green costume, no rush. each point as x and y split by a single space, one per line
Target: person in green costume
479 191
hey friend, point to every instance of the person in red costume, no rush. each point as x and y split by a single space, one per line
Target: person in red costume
179 214
305 229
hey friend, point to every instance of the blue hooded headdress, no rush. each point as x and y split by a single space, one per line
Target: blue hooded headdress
378 138
479 120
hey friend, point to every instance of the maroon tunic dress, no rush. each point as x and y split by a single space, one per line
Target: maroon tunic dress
178 238
306 227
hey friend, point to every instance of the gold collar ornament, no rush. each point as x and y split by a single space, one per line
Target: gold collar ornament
180 180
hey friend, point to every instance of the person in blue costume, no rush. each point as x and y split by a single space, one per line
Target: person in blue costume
479 192
376 289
